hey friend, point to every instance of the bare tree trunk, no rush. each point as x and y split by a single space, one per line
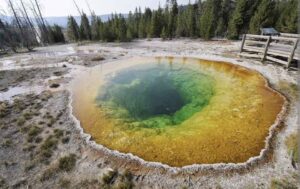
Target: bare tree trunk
38 13
29 21
24 37
88 5
77 8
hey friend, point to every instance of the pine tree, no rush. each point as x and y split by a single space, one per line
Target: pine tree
288 11
72 29
122 29
56 34
263 17
142 31
85 28
172 18
226 9
209 18
95 27
239 22
181 28
163 34
128 35
198 16
156 23
191 21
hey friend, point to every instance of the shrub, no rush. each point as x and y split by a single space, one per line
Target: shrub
47 148
67 163
50 143
48 174
109 177
126 181
29 166
292 146
3 126
58 133
3 183
64 183
24 129
7 143
19 105
21 121
282 184
4 109
27 115
33 132
29 148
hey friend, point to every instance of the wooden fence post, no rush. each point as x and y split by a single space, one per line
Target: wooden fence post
243 43
266 48
291 57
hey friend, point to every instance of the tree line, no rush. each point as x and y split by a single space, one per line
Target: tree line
28 27
205 19
202 19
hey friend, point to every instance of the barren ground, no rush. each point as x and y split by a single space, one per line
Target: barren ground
42 145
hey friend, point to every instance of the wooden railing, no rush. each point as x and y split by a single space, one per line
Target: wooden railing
277 49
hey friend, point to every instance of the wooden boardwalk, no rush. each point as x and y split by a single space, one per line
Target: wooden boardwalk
282 50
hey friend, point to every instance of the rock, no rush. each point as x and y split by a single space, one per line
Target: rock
97 58
54 85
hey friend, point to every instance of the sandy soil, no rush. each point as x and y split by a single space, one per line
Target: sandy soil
42 145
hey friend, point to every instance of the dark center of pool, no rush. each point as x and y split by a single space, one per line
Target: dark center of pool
155 97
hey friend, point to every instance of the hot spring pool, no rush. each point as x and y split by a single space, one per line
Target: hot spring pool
177 111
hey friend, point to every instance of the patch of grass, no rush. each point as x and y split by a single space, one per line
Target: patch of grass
47 148
109 177
51 119
38 140
37 106
41 122
58 133
7 143
3 126
4 109
282 184
64 183
3 183
28 115
19 105
50 143
45 96
33 132
67 163
88 184
29 148
24 129
126 180
48 174
292 146
127 175
21 121
29 166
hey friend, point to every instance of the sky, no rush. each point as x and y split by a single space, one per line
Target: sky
67 7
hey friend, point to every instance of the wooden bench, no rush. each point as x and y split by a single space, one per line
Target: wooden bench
282 50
